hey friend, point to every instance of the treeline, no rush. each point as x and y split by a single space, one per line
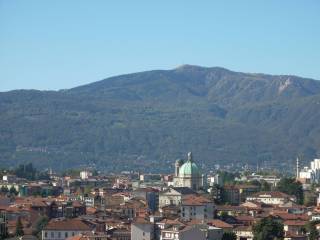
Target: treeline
27 171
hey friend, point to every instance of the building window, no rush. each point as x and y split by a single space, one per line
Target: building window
45 234
66 234
59 234
143 234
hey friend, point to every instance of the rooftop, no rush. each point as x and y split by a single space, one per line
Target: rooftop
67 224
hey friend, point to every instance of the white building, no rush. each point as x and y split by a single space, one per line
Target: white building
182 232
173 196
244 232
214 180
63 229
9 178
310 174
273 198
196 207
175 230
272 180
85 174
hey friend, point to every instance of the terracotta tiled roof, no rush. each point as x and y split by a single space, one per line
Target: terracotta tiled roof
77 237
140 220
289 216
87 236
170 222
295 223
4 207
253 205
39 203
122 194
220 224
195 200
77 204
272 194
91 210
67 224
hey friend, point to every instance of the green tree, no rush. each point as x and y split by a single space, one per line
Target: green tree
26 171
256 183
13 191
228 177
309 199
229 236
224 216
311 230
292 187
95 172
87 190
19 228
268 229
265 186
41 223
4 189
71 172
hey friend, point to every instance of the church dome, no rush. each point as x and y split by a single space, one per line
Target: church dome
189 168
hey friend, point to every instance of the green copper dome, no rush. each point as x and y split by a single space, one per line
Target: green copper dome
189 168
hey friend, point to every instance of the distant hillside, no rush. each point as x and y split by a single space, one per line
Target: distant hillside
146 120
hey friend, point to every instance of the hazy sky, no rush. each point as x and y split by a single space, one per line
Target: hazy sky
60 44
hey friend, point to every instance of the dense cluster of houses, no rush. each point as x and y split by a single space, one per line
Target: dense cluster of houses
130 207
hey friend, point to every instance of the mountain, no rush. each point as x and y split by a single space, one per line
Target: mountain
146 120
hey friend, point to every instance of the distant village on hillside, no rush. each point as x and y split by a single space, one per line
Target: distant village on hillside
187 204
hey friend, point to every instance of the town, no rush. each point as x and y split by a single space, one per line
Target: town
159 120
188 204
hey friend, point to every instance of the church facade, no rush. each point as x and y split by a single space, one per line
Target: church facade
187 174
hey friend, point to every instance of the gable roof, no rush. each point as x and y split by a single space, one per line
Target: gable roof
289 216
220 224
295 222
271 194
193 200
67 224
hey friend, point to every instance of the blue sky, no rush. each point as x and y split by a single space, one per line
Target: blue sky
61 44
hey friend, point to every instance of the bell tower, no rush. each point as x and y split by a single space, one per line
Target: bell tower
178 164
